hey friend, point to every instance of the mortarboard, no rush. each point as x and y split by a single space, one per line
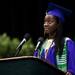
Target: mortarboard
59 11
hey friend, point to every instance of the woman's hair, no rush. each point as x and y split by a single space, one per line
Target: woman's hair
59 39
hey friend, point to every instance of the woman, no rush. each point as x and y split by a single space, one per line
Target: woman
56 49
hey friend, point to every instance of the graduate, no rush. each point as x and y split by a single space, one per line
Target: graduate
57 49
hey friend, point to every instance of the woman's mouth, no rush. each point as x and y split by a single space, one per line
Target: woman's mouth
46 28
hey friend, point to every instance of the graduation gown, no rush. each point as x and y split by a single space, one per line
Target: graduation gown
70 55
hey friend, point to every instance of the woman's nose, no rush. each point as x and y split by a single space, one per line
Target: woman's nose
45 24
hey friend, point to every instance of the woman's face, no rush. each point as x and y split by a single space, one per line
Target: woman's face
50 24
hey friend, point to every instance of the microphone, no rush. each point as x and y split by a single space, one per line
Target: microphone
26 38
39 42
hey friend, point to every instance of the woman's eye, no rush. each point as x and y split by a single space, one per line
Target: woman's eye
49 22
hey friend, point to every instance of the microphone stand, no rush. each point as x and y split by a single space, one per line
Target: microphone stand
18 50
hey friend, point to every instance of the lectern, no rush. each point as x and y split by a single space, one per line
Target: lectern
27 65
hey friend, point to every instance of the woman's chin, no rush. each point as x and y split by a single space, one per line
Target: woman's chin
46 32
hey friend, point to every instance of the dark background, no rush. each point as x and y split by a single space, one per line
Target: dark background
21 16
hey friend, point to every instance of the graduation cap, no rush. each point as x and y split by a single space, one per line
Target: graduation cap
58 11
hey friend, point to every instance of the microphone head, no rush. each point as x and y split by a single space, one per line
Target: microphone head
27 36
39 42
41 39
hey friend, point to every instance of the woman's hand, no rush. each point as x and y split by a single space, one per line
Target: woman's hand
68 73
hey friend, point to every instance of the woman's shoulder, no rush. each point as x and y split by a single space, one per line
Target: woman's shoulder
68 39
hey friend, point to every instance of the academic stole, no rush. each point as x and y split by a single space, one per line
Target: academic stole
62 61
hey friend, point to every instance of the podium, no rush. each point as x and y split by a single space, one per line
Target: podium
27 65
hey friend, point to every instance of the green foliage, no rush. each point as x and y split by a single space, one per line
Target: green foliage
27 48
8 47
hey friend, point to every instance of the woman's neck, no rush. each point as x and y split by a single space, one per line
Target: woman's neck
52 36
48 36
